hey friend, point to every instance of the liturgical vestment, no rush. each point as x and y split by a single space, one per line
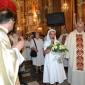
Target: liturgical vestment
10 59
75 43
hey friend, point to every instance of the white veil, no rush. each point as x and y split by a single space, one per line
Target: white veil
47 42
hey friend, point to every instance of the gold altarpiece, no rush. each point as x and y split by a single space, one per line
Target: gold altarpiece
25 20
76 8
42 7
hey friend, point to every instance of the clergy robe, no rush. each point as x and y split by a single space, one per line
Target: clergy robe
75 43
10 59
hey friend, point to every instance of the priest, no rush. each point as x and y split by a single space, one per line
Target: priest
75 43
10 57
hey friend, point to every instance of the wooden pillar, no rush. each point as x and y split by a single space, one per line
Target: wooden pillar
50 6
80 8
83 13
68 14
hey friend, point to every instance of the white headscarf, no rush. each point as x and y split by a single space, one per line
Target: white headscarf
48 40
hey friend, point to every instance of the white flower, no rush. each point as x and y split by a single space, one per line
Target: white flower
60 47
63 47
56 47
55 42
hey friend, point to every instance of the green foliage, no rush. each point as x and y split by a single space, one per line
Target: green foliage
58 47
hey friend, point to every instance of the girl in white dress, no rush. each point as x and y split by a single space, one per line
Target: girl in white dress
26 50
39 60
53 70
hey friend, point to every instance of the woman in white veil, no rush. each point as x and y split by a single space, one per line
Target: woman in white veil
53 70
48 41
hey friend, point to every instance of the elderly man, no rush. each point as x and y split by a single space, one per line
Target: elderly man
75 43
10 57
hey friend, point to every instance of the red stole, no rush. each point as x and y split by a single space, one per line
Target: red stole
79 52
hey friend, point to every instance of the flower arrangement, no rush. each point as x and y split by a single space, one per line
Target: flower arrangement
58 47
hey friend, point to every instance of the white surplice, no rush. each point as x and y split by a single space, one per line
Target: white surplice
10 59
39 60
75 77
53 70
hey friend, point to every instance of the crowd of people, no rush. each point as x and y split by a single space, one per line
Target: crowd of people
34 42
13 46
53 71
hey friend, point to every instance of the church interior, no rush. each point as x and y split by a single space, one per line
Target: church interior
33 16
42 42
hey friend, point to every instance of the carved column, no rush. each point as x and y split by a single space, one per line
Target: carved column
68 14
50 6
79 5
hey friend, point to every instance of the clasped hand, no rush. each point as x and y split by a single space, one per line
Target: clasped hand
48 49
19 44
